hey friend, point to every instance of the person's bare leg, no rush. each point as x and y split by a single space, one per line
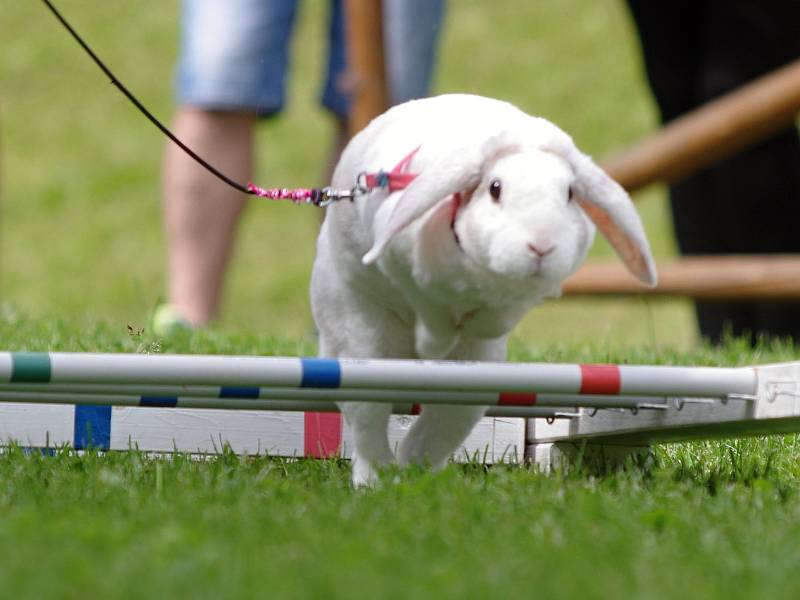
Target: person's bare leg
201 212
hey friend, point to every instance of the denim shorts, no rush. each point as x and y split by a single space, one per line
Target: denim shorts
235 53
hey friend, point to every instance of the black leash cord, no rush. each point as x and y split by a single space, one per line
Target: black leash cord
142 109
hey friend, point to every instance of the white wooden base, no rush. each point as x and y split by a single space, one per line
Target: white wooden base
246 432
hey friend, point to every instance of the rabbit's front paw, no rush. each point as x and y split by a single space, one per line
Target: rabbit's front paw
364 474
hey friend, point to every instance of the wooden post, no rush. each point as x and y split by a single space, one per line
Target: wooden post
730 277
366 69
712 132
688 144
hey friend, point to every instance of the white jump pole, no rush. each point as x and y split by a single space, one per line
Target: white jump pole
57 367
321 395
100 399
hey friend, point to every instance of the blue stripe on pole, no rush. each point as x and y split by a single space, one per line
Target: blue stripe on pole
321 373
92 427
156 401
238 392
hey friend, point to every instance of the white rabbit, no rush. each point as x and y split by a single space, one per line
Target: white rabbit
500 213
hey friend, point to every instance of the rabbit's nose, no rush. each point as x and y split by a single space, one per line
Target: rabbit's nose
541 252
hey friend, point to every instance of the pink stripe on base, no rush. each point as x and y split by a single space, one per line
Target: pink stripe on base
600 379
516 399
322 434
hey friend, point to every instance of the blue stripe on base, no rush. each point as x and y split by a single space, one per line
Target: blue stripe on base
238 392
321 373
92 427
162 401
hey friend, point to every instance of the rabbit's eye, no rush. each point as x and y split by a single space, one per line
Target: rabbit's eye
494 190
571 195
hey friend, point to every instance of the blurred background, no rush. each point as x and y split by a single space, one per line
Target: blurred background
81 213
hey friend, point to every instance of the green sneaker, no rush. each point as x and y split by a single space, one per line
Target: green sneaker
167 321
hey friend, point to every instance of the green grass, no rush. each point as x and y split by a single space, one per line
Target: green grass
704 524
717 519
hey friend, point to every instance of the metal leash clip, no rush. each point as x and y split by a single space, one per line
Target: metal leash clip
361 184
331 195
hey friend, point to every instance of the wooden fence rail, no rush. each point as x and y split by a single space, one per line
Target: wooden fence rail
767 277
688 144
712 132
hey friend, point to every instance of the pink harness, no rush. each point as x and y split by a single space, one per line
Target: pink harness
399 179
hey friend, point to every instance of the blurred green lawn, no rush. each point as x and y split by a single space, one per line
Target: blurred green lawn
81 230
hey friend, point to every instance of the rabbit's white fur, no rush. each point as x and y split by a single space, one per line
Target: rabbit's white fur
392 278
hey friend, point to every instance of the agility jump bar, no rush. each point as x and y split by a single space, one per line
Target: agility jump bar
137 400
322 396
509 379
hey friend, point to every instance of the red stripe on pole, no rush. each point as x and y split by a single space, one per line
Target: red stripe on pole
516 399
600 379
322 434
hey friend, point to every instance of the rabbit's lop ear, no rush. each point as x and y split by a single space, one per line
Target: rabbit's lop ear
609 206
457 172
